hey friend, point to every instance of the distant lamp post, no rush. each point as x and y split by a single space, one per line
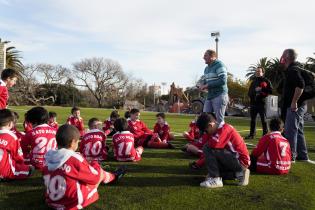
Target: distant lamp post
216 35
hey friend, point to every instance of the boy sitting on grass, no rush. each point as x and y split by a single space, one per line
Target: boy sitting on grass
53 120
108 127
123 143
143 135
76 120
40 139
272 154
226 154
11 156
193 133
162 128
8 80
93 143
71 182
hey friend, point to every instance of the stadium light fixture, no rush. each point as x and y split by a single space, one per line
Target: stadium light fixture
216 35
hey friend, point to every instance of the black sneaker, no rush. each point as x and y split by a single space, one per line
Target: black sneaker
194 166
171 146
119 173
249 137
31 171
184 149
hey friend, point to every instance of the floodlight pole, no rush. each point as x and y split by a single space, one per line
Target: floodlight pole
216 34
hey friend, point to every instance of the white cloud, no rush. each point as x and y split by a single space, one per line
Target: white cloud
165 40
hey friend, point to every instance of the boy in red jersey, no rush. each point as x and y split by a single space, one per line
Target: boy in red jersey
8 80
76 120
272 154
193 132
41 138
143 135
123 143
93 143
53 120
226 154
108 127
162 128
71 182
26 125
11 156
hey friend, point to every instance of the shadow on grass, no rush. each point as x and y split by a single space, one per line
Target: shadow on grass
30 182
167 155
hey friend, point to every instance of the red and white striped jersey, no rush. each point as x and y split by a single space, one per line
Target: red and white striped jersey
70 180
10 154
228 138
93 145
273 154
40 139
124 147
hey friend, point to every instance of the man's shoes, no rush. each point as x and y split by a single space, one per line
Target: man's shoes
249 137
212 182
244 180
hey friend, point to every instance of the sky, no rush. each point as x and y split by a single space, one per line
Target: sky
158 41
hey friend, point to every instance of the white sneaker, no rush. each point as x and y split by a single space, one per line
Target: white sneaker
244 180
308 161
212 182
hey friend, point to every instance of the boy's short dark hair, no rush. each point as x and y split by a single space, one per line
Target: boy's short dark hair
6 116
275 124
92 121
204 119
9 73
114 114
74 109
121 124
52 114
37 115
161 114
134 111
127 114
65 134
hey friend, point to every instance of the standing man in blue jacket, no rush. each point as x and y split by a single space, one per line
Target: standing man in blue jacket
215 81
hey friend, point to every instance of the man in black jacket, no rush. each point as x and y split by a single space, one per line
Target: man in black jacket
293 109
259 89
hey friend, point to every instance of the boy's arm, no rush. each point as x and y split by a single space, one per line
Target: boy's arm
156 128
86 173
261 147
146 129
166 132
26 143
17 153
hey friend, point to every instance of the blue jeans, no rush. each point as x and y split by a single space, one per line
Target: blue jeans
217 105
294 132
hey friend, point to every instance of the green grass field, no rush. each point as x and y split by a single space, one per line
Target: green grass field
162 180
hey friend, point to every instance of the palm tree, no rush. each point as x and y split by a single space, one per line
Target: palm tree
310 64
275 72
262 63
13 58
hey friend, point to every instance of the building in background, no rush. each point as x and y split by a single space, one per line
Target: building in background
2 55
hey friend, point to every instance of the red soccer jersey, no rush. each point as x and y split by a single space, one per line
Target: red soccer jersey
124 147
93 145
4 95
78 123
107 125
54 125
18 134
163 131
193 132
11 155
70 180
138 128
27 126
273 154
41 139
227 137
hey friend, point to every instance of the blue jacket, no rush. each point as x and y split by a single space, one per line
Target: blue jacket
215 76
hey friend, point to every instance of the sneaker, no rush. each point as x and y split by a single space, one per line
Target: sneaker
307 161
212 182
184 149
31 171
249 137
194 166
170 146
244 180
119 173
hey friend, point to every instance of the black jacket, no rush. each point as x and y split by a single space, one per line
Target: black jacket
258 97
292 80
